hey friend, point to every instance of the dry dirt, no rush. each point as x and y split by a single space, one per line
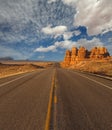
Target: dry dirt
9 68
97 67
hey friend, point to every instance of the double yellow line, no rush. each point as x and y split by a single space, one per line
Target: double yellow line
48 117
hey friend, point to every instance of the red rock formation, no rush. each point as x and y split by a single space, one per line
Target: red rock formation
74 56
99 53
67 58
82 53
93 53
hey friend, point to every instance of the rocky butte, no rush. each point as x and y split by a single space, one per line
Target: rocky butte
75 55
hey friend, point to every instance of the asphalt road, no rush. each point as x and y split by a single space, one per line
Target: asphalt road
84 102
79 101
24 101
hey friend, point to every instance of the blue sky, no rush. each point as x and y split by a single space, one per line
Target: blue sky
44 29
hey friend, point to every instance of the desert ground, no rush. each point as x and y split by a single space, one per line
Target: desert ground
8 68
97 67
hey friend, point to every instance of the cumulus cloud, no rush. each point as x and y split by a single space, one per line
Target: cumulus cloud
58 30
89 43
67 44
95 15
67 35
46 49
63 44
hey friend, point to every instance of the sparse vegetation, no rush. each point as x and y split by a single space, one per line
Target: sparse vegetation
102 68
13 68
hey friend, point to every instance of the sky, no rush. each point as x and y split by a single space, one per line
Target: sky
44 29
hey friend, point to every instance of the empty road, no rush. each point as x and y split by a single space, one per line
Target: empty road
56 99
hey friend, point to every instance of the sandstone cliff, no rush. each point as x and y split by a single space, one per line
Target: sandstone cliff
76 55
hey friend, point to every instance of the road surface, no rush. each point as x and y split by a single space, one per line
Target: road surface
23 102
84 102
58 98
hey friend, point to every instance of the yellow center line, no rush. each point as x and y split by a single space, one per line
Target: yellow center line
48 117
55 99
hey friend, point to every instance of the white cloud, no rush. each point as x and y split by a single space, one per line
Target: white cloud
94 14
41 57
67 35
64 44
14 11
89 43
46 49
28 17
67 44
58 30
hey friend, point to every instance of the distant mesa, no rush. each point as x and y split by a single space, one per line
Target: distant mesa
76 55
6 58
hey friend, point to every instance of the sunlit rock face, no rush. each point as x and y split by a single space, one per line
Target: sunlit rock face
67 58
82 54
73 55
99 53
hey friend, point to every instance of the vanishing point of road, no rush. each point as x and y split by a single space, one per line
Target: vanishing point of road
55 99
